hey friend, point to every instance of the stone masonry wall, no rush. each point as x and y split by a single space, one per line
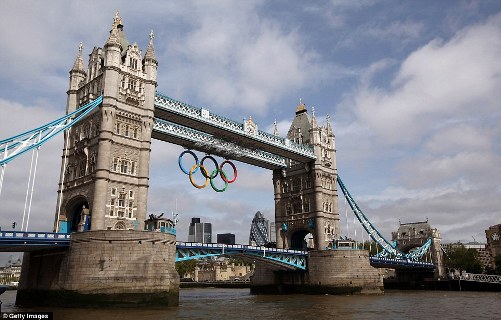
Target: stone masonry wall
104 268
343 270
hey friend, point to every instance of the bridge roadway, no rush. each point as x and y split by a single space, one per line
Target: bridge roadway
234 136
20 241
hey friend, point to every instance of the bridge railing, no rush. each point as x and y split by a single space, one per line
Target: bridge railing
480 277
34 235
241 247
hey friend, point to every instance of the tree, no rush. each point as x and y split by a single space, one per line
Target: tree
184 267
460 258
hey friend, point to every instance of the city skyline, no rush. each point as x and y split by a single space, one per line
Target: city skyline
411 90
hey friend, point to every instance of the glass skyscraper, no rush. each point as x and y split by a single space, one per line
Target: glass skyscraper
199 231
259 230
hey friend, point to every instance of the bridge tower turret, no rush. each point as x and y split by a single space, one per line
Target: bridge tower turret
306 199
105 167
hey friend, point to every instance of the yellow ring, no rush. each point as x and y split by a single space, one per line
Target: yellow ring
206 176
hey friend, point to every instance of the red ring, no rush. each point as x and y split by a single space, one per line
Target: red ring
235 172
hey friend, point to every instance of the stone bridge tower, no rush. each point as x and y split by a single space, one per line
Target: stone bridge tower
105 166
413 235
306 199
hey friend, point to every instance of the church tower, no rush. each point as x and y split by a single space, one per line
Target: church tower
105 165
306 199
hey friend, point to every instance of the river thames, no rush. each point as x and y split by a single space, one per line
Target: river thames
216 303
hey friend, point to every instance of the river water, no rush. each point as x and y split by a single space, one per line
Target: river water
236 304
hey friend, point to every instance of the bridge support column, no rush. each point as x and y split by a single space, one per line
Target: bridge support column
329 272
103 268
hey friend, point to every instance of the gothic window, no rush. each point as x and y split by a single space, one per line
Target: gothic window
86 131
126 130
124 166
308 183
81 172
306 205
132 85
133 63
133 168
135 132
121 200
297 207
131 194
122 83
120 225
115 164
131 205
288 209
117 127
120 214
112 207
286 187
296 184
92 165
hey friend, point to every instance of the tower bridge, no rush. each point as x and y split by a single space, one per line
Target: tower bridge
103 193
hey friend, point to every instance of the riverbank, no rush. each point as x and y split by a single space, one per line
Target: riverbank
215 284
444 285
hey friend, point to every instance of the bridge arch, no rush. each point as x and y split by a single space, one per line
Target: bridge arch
298 239
73 211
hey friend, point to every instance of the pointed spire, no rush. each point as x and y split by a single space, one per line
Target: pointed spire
117 21
114 38
313 121
301 107
150 52
78 65
275 130
329 128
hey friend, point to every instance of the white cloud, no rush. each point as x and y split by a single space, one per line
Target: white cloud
441 80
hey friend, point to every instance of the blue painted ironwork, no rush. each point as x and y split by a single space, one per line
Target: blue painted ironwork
376 235
379 262
18 241
13 147
294 259
208 143
212 119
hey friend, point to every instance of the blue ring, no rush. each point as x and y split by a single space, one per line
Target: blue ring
180 162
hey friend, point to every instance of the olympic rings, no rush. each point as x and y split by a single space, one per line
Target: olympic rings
202 169
235 173
205 173
212 176
223 176
180 161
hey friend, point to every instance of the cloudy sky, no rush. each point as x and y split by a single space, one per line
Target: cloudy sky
413 89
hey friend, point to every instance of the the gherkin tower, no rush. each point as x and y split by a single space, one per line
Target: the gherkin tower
259 230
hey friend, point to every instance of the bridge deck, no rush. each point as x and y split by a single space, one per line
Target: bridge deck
204 142
18 241
228 130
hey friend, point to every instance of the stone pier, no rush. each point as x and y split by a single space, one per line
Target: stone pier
329 272
103 268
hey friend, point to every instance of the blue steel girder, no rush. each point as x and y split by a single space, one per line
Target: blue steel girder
184 114
387 246
284 258
24 241
204 142
13 147
380 262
